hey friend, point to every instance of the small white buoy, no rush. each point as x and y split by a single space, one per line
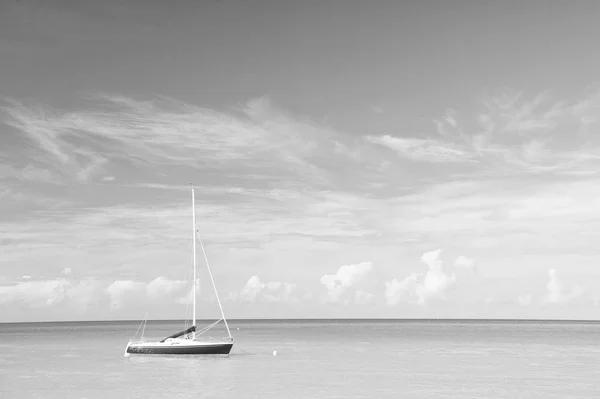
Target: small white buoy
274 353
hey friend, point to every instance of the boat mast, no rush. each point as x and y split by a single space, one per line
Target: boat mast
194 266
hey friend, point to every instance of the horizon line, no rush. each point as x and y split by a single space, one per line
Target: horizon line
380 319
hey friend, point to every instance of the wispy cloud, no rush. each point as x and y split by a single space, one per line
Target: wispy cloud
377 109
511 134
539 134
427 150
54 136
260 138
28 173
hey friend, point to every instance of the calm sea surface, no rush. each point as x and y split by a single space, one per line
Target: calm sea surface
315 359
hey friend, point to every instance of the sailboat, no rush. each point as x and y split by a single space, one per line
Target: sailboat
187 342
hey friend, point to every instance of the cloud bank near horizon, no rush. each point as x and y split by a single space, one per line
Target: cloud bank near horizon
100 190
78 298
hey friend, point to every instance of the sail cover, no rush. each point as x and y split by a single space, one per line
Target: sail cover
179 334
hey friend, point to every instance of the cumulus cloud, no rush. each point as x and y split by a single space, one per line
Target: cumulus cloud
188 298
555 287
272 291
363 297
78 295
344 278
466 263
122 292
434 284
34 293
252 289
162 287
282 291
48 293
398 291
557 292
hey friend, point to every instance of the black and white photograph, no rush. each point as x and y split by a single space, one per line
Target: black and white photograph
299 199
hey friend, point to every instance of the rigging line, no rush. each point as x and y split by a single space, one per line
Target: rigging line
205 329
213 282
138 329
145 322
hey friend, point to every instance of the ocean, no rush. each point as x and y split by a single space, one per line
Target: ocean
313 359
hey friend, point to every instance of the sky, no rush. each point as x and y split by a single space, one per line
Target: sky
350 159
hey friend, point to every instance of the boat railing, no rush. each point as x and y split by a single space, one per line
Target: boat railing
141 340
